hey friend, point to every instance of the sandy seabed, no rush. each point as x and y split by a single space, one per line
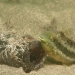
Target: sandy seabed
35 17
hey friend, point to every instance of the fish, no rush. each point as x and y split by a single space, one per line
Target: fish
58 46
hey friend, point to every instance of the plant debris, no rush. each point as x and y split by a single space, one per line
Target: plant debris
25 52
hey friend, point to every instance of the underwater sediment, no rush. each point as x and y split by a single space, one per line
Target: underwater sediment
25 52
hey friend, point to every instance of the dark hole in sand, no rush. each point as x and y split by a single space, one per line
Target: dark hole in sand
37 53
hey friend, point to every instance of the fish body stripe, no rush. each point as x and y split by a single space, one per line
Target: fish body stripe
64 49
67 40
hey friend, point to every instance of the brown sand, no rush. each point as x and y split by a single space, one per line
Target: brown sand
34 17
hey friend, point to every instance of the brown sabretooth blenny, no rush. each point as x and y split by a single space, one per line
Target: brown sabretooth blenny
25 52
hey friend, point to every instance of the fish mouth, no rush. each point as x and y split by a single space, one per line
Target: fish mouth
42 39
